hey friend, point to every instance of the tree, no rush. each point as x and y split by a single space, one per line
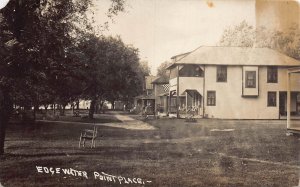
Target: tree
113 70
245 35
144 67
241 35
162 69
35 37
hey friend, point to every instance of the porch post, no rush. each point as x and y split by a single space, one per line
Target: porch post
177 96
288 105
186 102
169 104
155 96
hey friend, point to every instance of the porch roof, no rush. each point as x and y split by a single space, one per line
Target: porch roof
164 94
145 97
190 90
148 97
294 70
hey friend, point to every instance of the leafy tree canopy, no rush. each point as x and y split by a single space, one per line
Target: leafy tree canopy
162 69
112 69
245 35
38 41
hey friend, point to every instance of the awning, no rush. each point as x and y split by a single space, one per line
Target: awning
164 94
190 91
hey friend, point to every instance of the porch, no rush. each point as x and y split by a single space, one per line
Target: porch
293 126
189 103
145 104
294 105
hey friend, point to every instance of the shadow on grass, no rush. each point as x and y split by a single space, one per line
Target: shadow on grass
111 119
39 155
70 151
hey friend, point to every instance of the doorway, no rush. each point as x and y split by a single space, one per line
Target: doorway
282 103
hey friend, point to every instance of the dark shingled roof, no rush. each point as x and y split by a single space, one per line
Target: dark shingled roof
161 80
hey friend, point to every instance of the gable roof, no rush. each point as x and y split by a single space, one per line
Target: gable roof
237 56
180 55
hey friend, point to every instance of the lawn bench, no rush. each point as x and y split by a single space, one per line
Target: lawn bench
88 134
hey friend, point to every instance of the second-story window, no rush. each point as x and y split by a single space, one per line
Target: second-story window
221 73
272 74
250 79
191 70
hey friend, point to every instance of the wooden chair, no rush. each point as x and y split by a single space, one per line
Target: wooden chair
88 134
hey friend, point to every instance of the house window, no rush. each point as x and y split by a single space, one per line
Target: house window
271 98
221 73
250 79
191 71
211 98
272 74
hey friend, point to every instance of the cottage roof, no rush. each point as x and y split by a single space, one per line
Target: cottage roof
145 97
161 80
148 82
247 56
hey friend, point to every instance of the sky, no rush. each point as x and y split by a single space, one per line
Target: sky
161 29
3 3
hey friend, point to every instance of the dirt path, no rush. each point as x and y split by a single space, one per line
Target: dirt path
128 123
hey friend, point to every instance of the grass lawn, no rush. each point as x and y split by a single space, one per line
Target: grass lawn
177 153
82 118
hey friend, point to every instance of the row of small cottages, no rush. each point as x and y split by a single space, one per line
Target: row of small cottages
227 83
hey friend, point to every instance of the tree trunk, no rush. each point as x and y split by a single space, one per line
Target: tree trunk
5 112
97 108
46 109
101 106
53 109
35 108
63 109
77 105
27 113
72 108
112 105
92 109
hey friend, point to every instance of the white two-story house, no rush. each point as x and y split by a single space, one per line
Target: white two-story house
234 83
